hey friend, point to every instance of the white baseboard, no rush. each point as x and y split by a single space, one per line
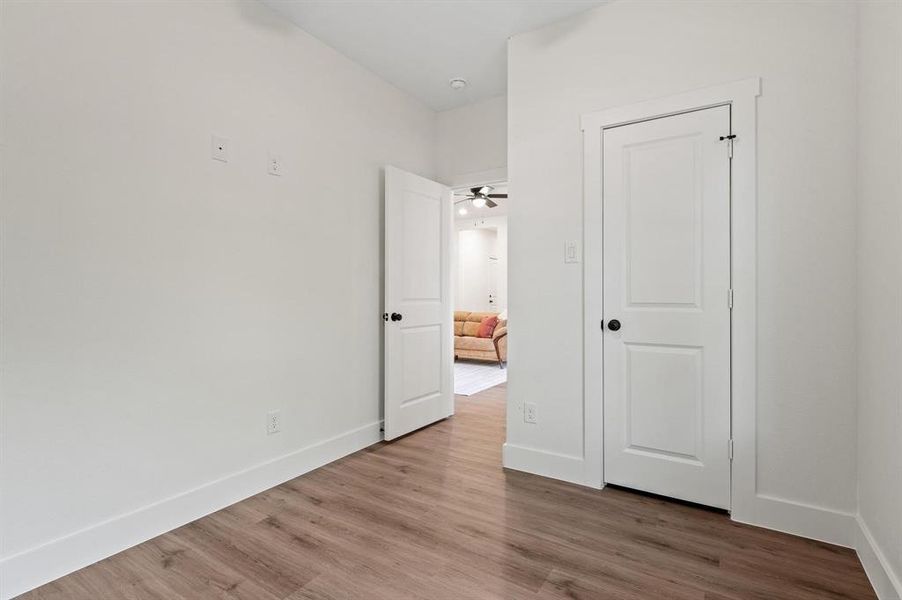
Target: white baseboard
36 566
547 464
887 584
797 518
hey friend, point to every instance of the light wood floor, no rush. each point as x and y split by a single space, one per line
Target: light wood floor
434 516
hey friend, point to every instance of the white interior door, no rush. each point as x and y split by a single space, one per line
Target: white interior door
666 211
418 328
492 299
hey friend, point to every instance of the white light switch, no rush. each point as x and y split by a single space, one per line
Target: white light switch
571 252
219 148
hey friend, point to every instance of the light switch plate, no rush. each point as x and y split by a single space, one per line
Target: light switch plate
219 148
571 252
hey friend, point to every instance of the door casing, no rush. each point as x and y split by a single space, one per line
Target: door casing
741 96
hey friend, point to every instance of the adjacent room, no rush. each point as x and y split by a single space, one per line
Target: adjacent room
480 288
446 299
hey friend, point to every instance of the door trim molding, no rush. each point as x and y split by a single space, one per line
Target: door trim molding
741 96
468 180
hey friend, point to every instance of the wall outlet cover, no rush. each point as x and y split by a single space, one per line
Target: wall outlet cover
274 164
273 422
529 415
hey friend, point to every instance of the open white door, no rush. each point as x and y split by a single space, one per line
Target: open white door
667 306
418 335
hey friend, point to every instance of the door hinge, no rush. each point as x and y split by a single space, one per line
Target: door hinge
730 449
730 298
729 139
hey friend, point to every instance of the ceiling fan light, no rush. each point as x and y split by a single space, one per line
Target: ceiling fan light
462 210
478 201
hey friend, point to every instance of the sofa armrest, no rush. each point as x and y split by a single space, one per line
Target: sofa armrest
499 339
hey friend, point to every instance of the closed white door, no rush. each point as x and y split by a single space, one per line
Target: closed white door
418 327
492 294
666 290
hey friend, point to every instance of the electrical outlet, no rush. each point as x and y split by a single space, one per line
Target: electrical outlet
273 422
219 148
274 165
529 415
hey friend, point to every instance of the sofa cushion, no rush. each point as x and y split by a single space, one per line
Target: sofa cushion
458 327
477 317
470 328
461 315
474 343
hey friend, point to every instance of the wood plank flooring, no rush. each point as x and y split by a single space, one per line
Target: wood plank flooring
433 516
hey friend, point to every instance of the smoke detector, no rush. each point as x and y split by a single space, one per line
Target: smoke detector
458 83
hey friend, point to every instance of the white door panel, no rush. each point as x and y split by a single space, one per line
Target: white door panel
418 327
666 211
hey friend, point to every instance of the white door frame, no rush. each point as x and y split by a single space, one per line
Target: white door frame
741 96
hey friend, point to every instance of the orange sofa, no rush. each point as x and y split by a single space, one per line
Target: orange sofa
468 345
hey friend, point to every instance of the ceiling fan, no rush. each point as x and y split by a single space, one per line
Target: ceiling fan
482 196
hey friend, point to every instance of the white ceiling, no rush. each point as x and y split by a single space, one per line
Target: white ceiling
419 45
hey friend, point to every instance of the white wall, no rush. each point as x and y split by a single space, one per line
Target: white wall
156 303
471 143
474 249
499 226
631 51
880 292
476 240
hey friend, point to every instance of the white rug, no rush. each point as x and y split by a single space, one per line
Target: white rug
473 377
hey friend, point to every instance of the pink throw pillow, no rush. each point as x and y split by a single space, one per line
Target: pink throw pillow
487 327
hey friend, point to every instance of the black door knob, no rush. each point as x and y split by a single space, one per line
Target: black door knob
614 325
396 317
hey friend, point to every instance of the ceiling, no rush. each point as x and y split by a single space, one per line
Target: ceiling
419 45
474 213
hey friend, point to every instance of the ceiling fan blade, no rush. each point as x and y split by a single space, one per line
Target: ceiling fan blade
497 195
490 203
474 191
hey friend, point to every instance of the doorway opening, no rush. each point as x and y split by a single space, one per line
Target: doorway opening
479 276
